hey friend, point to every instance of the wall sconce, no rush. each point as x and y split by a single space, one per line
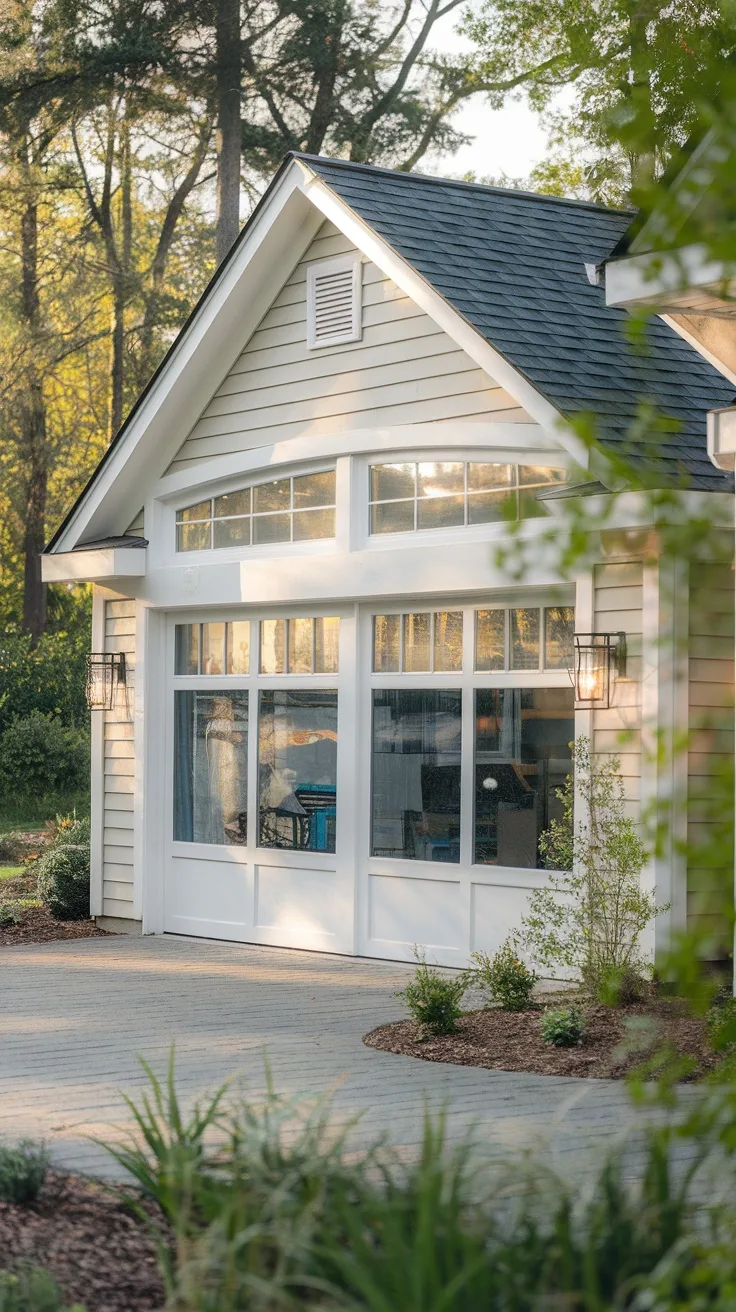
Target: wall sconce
105 673
599 659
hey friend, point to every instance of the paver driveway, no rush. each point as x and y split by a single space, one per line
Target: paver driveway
74 1015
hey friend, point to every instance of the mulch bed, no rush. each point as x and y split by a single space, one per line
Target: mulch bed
37 925
510 1041
83 1233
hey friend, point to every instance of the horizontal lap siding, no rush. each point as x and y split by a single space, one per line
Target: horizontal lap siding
618 603
119 769
403 371
710 755
137 528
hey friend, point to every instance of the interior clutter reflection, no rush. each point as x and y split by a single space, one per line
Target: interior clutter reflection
416 774
210 767
297 770
522 756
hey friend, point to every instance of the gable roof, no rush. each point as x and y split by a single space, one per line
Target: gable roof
513 265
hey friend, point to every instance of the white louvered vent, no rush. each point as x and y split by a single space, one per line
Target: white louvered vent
333 302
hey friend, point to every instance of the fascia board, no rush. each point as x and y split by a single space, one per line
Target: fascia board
94 566
224 321
449 320
658 278
514 438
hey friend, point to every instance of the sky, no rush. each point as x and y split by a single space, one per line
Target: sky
508 140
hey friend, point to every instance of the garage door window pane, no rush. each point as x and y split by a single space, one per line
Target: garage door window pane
416 642
525 639
522 756
416 775
559 627
210 767
297 770
186 649
238 647
448 640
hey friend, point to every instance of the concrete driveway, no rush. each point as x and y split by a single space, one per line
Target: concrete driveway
74 1016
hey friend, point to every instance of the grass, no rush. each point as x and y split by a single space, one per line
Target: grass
32 812
10 872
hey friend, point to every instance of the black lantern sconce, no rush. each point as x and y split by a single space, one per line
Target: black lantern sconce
105 674
598 660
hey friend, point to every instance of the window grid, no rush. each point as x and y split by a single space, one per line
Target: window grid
205 529
437 619
524 478
212 648
282 634
547 646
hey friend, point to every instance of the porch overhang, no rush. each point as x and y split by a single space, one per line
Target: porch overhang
677 282
96 565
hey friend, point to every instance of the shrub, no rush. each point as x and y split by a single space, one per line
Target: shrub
590 917
563 1026
41 755
48 677
63 881
31 1290
8 915
434 999
72 829
722 1024
502 978
622 987
22 1171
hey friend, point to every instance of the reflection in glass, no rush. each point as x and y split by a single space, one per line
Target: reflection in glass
482 476
392 482
231 533
272 496
273 646
194 537
416 775
416 642
529 506
210 767
297 770
441 512
522 756
491 507
448 640
312 524
271 528
213 648
202 510
326 644
392 517
525 639
435 480
530 474
490 640
300 646
238 647
314 490
233 503
186 649
559 627
386 643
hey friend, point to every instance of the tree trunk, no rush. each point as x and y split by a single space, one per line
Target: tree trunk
642 156
228 69
33 414
120 260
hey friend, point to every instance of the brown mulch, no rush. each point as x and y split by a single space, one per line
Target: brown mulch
100 1254
37 925
511 1041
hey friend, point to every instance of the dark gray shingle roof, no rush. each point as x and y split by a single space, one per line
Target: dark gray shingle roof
512 264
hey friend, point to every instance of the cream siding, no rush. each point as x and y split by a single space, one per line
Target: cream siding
710 753
403 371
119 765
618 607
137 528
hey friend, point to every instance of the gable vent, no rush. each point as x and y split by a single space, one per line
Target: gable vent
333 302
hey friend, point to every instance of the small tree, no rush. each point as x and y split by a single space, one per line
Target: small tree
590 918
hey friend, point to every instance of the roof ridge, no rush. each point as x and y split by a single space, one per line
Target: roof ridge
402 174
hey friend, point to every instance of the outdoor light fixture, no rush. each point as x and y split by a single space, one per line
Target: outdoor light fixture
105 673
599 659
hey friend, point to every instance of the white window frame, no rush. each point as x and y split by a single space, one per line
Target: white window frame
318 269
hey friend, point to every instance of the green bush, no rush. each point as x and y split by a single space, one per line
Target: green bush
722 1024
502 978
63 881
48 677
71 829
433 999
564 1027
41 755
23 1170
621 987
31 1290
8 915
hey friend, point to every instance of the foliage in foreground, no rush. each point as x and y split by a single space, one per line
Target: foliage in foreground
23 1170
502 977
270 1210
31 1291
433 999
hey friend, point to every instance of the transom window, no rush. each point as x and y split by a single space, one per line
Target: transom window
300 646
213 648
519 638
410 497
297 509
